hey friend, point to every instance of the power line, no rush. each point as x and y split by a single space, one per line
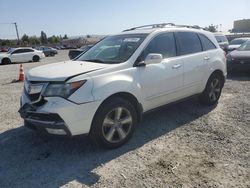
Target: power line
17 34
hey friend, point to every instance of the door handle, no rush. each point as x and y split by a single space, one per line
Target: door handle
177 66
206 58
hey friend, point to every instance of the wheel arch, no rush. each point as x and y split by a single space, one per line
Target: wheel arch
220 73
129 97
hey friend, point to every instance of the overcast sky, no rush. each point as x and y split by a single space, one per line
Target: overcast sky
81 17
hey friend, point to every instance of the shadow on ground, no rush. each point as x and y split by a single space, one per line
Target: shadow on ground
31 160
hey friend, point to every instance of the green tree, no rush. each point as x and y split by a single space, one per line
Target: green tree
43 38
25 39
34 40
212 28
65 37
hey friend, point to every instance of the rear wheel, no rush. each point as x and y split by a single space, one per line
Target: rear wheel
113 123
212 92
36 58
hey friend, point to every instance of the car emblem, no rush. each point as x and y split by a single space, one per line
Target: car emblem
242 62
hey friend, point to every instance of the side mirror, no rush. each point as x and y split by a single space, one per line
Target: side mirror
153 59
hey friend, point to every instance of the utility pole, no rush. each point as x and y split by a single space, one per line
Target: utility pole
18 40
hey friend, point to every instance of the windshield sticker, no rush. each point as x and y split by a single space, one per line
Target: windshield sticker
131 39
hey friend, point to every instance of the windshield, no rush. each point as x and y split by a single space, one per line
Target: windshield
237 41
245 46
10 50
113 49
221 38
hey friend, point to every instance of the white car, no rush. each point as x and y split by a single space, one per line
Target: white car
21 55
105 92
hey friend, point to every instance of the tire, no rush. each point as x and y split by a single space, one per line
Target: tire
212 92
107 128
5 61
36 58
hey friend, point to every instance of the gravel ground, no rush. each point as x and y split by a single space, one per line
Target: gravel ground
181 145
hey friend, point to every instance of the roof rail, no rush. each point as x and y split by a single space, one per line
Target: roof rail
162 25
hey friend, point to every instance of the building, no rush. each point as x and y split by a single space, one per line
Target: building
241 26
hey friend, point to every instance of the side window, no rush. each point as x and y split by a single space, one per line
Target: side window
188 43
17 51
27 50
162 44
206 43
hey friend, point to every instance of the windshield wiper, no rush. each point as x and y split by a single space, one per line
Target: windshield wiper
95 60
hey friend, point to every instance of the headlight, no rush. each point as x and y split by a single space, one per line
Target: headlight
62 90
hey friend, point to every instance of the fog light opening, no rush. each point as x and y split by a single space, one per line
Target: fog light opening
56 131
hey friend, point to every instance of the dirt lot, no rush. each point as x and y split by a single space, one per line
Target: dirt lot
182 145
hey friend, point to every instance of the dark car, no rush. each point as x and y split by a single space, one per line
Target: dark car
48 51
239 59
74 53
236 43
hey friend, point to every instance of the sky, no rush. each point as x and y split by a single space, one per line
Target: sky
103 17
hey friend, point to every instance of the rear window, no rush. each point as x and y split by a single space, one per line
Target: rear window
188 43
221 38
206 43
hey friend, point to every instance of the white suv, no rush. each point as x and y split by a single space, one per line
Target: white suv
106 90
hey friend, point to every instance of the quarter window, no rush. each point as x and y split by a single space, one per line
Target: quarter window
206 43
162 44
188 43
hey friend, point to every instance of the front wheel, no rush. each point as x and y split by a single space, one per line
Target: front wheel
212 92
113 123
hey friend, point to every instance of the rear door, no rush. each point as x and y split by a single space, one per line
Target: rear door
194 61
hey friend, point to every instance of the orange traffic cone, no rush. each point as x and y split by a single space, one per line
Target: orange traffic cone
21 73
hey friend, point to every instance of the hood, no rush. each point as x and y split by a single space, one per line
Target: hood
63 70
3 55
236 54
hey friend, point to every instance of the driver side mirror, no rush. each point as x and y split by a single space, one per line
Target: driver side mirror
151 59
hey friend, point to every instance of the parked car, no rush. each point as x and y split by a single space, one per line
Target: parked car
21 55
48 51
105 91
236 43
222 40
4 49
239 59
76 52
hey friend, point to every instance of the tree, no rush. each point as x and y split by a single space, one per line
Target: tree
25 39
88 36
34 40
212 28
65 37
43 38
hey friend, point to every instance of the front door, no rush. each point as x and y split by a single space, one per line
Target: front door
161 83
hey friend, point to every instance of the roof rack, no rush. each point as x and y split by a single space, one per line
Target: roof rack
162 25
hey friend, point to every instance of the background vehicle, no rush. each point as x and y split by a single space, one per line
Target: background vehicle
21 55
236 43
105 91
48 51
75 52
222 40
239 59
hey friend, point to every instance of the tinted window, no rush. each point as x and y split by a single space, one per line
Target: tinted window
237 41
206 43
162 44
18 51
188 43
27 50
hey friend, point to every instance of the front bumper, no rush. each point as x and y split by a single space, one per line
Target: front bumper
56 115
238 66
